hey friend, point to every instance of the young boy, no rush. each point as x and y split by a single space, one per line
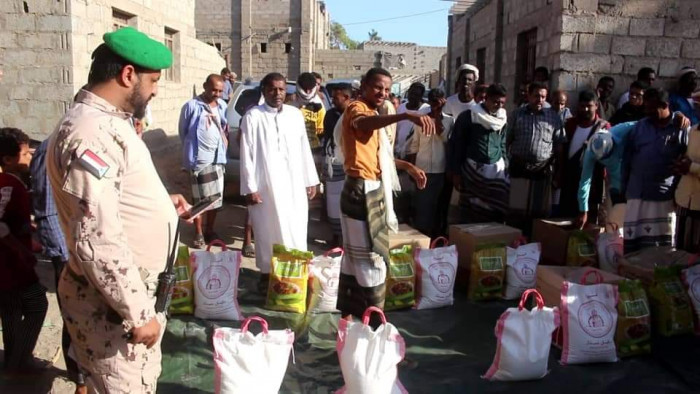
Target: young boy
559 101
23 302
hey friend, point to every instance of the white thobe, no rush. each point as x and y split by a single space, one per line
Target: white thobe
276 163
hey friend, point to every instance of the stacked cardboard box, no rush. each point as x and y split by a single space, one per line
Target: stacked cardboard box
467 236
640 265
550 279
407 235
553 235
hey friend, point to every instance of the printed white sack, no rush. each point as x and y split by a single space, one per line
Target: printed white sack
325 274
436 269
589 321
368 358
691 279
524 339
521 270
216 283
247 363
610 249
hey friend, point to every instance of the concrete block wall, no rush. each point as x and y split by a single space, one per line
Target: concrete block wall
523 15
339 64
35 57
193 59
213 21
617 38
456 48
482 34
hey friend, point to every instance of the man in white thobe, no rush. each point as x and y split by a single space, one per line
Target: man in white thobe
278 175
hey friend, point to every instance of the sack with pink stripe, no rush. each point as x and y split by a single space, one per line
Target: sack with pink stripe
524 339
368 358
247 363
589 321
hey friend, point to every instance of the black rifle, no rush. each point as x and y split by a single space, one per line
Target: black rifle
166 279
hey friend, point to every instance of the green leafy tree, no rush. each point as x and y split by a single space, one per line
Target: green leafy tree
374 36
340 38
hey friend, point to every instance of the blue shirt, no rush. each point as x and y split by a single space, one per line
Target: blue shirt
649 154
612 163
44 207
197 123
228 89
679 103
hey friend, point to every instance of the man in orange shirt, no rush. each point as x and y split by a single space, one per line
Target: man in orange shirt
365 215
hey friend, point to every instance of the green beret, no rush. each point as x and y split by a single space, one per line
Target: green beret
138 48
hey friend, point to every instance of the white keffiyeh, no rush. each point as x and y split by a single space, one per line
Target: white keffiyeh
493 122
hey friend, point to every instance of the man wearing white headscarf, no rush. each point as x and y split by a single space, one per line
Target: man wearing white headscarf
467 75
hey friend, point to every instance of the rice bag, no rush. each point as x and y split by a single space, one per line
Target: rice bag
487 272
182 302
691 280
435 276
581 250
670 307
216 283
289 277
589 318
400 281
324 274
633 335
521 269
610 250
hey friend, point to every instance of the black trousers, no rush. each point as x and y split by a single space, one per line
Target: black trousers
22 313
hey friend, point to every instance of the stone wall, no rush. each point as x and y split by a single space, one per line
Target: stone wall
617 38
456 48
521 16
213 20
416 58
262 36
193 59
45 52
341 64
35 57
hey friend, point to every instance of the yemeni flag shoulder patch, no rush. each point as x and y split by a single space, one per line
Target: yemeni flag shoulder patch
93 163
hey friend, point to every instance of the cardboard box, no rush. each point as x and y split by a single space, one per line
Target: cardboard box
550 279
640 264
553 235
407 235
467 236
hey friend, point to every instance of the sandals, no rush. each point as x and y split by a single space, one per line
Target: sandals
248 250
198 241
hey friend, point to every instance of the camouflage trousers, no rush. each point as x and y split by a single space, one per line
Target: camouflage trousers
110 363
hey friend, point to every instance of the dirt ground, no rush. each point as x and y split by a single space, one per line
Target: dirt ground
229 226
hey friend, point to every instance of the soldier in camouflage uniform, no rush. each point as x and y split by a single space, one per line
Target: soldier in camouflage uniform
118 218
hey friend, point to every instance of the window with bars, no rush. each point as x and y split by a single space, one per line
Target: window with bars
169 41
526 57
120 19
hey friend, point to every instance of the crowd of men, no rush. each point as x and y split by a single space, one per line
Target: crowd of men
107 222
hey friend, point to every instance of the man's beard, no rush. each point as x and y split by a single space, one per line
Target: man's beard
137 102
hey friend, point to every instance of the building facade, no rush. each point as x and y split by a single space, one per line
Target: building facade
579 41
45 49
260 36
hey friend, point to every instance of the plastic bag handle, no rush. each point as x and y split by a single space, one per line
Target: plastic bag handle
368 312
246 322
526 294
334 250
599 278
520 241
217 242
435 241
